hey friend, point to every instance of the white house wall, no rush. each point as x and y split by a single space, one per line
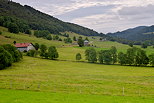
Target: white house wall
22 49
30 47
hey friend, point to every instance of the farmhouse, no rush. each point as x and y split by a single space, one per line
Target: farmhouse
86 43
24 46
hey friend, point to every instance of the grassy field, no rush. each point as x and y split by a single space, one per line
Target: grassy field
18 96
65 80
78 77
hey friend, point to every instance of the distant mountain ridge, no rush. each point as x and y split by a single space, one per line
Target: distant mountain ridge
141 33
41 21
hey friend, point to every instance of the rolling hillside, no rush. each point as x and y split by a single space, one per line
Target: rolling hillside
142 33
40 21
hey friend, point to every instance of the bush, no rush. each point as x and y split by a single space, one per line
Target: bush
78 56
5 58
31 53
68 40
7 36
80 42
16 54
28 32
49 37
0 33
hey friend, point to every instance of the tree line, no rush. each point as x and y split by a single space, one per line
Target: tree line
14 25
8 55
44 52
133 57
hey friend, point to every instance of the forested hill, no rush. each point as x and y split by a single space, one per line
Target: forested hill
141 33
40 21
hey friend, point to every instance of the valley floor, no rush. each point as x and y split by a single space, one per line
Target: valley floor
19 96
70 81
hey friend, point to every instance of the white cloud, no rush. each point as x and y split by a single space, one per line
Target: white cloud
121 15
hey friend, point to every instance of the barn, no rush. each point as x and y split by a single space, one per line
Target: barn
24 46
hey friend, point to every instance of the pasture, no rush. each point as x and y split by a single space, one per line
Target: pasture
78 77
66 80
18 96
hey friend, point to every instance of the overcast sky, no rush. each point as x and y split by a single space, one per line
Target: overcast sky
100 15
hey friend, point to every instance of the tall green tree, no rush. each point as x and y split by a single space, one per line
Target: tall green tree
144 45
80 42
91 55
122 58
43 49
141 58
113 52
74 38
151 59
37 46
131 54
87 39
105 57
52 52
130 44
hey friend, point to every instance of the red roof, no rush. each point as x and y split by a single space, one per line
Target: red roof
22 45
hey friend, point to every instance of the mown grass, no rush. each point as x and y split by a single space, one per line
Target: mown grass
78 77
18 96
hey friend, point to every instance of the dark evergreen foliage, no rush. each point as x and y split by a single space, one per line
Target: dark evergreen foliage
39 21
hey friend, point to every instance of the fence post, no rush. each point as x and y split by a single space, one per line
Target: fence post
139 92
24 86
39 85
11 85
123 91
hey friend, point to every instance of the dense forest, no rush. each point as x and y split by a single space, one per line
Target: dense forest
37 20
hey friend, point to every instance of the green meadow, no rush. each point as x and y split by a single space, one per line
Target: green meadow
37 74
18 96
67 81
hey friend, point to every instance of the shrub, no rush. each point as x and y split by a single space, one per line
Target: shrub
5 58
31 53
16 54
78 56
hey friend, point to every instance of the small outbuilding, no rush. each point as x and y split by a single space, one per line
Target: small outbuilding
24 46
86 43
